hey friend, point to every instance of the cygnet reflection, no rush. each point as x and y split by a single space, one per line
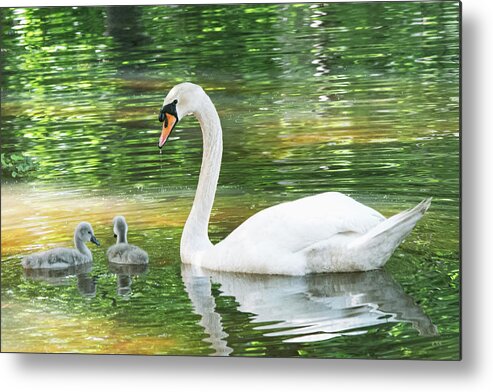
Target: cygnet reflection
86 284
124 273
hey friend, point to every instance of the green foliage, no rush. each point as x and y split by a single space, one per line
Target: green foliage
17 166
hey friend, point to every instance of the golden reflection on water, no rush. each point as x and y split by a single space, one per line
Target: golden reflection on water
37 219
33 219
57 332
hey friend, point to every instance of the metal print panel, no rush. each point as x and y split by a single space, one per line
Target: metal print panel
262 180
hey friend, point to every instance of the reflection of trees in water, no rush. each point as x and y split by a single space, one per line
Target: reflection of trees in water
266 56
124 25
304 309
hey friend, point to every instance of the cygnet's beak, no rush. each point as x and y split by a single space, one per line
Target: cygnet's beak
94 240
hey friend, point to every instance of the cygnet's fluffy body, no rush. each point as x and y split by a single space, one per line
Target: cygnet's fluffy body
122 252
60 258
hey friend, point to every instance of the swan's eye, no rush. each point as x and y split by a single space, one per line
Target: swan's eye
175 101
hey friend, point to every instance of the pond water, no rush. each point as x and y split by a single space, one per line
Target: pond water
360 98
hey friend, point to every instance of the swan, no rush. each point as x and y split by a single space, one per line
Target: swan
328 232
122 252
60 258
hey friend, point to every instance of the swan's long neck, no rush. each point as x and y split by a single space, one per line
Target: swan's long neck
82 247
195 236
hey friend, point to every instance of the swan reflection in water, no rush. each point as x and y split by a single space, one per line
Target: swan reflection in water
86 284
304 308
124 273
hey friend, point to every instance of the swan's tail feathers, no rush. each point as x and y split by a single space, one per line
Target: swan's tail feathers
381 241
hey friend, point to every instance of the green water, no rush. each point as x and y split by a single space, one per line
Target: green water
360 98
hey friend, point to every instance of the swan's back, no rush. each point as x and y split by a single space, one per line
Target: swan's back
305 221
127 254
329 232
271 241
57 258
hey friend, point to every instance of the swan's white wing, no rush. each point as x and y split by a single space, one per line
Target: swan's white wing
290 227
305 221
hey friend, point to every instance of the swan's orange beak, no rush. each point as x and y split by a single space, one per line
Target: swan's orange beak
168 126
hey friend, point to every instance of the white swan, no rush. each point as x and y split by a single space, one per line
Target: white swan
60 258
329 232
122 252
